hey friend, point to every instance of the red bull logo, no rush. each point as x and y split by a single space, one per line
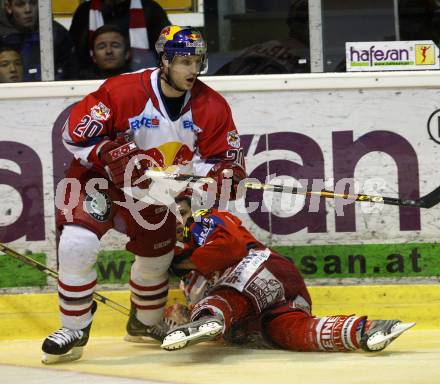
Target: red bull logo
233 139
170 31
166 31
194 36
171 153
100 112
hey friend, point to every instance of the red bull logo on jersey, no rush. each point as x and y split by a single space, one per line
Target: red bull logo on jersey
139 122
233 139
173 153
100 112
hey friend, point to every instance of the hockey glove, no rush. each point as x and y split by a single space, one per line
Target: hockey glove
227 175
117 156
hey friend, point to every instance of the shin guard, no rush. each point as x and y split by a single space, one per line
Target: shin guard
149 287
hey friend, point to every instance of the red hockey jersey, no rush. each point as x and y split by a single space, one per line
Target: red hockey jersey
132 104
219 241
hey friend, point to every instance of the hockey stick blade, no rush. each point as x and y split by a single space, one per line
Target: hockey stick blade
50 272
430 199
425 202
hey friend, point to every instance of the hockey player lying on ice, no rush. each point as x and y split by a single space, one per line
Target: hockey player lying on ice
248 293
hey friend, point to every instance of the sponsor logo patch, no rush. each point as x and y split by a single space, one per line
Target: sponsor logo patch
100 112
265 289
144 122
233 139
425 54
194 36
122 150
98 205
162 244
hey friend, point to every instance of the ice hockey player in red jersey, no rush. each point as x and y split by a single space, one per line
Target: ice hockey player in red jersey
158 117
250 294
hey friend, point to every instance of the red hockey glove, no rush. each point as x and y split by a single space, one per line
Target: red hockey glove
176 314
230 172
116 156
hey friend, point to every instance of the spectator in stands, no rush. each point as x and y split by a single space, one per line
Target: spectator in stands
11 68
141 20
110 53
19 29
289 55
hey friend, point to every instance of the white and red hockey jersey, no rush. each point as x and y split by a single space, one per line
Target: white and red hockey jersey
132 104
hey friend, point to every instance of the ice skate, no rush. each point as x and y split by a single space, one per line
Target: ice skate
205 329
66 344
381 333
137 332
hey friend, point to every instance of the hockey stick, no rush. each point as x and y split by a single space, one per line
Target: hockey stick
426 201
50 272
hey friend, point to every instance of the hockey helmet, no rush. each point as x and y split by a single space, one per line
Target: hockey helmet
182 41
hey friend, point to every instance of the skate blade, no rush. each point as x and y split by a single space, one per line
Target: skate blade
178 339
72 355
140 339
398 330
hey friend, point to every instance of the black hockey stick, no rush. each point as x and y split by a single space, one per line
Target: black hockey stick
50 272
426 201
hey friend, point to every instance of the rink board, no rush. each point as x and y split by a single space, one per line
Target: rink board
382 129
27 316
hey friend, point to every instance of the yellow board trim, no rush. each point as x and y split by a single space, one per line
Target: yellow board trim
30 316
68 7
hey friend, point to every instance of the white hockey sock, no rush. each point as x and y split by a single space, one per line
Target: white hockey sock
149 287
77 252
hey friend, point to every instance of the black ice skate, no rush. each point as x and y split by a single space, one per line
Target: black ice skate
138 332
205 329
381 333
66 344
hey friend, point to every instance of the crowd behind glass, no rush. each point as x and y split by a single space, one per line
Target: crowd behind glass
256 37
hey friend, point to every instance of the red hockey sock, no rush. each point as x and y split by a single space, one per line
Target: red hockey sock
227 302
298 331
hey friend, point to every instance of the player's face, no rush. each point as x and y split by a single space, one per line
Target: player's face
183 71
11 69
109 51
24 13
185 211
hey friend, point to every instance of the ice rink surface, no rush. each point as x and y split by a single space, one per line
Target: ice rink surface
412 358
